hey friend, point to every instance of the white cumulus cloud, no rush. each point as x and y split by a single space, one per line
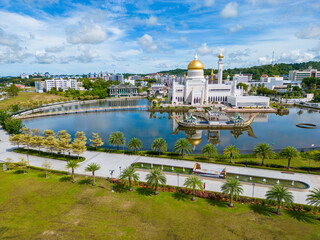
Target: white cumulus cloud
146 42
44 58
236 28
152 21
311 32
205 50
86 33
230 10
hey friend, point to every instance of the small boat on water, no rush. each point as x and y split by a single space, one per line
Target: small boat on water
210 120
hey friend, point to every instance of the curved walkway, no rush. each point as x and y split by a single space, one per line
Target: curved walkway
111 161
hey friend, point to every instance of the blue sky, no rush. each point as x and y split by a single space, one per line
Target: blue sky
75 37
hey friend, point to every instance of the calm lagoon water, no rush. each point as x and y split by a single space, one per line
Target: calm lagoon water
278 131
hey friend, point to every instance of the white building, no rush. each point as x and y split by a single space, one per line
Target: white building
242 78
59 83
197 91
297 75
24 76
158 88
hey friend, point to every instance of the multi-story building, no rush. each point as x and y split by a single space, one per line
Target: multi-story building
40 86
59 83
297 75
242 78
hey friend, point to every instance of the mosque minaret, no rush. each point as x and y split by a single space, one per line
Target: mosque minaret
220 68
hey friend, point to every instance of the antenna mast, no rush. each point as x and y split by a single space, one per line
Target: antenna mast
272 61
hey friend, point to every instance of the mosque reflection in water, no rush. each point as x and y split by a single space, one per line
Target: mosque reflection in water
195 136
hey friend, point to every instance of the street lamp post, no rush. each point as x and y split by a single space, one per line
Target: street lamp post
178 179
120 169
253 190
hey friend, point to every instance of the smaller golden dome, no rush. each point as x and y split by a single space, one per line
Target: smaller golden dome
194 142
221 56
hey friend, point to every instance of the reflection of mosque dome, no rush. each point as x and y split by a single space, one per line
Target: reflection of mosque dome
195 65
221 56
194 142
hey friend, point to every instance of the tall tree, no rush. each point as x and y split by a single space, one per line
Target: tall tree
26 140
96 140
23 163
36 132
159 144
16 139
210 150
10 163
264 151
81 136
135 144
73 164
117 139
156 177
314 197
193 182
93 167
48 133
232 187
63 135
231 151
37 142
78 147
47 166
50 143
289 153
280 195
182 146
130 174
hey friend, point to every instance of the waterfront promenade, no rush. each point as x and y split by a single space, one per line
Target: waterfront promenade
116 162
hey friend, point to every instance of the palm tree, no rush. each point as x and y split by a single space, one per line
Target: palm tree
155 177
232 187
289 153
263 150
135 144
129 174
92 167
193 182
314 197
182 146
279 194
117 138
209 150
159 144
231 151
73 164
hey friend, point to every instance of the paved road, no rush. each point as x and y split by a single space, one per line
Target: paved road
110 161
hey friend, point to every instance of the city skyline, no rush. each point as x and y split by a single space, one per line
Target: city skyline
150 36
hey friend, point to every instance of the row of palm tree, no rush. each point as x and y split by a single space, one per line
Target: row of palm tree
182 146
61 142
277 194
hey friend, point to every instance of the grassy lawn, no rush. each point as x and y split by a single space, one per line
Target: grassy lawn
30 96
33 207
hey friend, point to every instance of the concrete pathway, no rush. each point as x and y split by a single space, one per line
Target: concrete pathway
116 162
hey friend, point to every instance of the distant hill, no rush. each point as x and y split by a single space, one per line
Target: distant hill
256 71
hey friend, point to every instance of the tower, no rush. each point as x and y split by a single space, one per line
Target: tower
211 77
220 68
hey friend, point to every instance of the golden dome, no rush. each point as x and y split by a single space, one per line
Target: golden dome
221 56
195 65
194 142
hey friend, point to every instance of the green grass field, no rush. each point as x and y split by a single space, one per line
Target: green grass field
24 97
33 207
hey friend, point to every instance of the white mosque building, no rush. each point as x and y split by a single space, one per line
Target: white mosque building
196 90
